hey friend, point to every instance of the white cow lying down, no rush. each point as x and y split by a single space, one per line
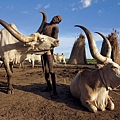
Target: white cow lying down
92 86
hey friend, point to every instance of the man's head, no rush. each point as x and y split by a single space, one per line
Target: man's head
56 19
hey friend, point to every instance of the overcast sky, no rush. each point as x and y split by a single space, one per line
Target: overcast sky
96 15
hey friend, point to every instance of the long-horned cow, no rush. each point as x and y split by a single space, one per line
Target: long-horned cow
92 86
32 58
14 47
59 58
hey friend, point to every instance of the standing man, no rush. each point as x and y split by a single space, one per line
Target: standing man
49 29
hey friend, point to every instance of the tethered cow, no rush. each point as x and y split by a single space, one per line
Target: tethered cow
14 47
92 86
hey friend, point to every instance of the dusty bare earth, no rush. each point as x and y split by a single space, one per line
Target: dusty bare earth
29 103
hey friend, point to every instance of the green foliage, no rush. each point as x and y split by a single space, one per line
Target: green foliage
91 61
67 60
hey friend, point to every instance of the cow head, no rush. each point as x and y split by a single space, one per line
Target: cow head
36 41
110 68
41 43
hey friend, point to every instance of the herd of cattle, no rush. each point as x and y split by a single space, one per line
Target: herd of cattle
90 86
36 59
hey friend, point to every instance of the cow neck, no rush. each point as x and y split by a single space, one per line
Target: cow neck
39 52
102 79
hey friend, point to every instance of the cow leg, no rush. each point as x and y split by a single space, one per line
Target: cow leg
11 67
9 72
33 64
110 104
89 105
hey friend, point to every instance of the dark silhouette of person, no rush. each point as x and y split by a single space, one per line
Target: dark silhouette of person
49 29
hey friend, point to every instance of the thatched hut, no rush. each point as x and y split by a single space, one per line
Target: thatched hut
115 55
78 54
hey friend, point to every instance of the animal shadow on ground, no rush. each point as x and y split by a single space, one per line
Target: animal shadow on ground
64 95
3 86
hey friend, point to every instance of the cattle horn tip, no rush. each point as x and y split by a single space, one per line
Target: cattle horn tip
97 32
41 11
77 26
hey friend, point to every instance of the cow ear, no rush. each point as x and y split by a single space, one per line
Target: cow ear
114 68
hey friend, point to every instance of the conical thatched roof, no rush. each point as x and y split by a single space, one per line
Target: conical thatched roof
78 55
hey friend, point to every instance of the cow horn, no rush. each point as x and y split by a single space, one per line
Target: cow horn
15 33
43 21
92 45
108 43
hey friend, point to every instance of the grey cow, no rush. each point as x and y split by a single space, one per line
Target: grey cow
92 86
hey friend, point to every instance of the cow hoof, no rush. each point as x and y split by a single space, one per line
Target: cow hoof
10 92
93 109
111 105
103 109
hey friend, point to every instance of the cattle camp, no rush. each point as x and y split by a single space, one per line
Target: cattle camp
37 82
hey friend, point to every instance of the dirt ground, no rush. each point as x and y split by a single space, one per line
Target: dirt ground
29 103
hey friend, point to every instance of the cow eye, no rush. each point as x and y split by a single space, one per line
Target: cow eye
41 39
114 68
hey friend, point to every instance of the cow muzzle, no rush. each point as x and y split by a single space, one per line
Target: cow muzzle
56 43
